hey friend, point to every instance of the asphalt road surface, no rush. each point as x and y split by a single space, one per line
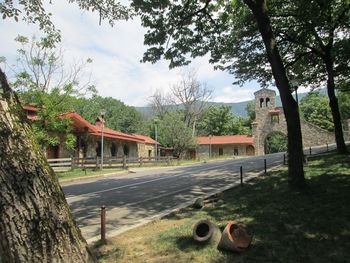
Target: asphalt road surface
145 193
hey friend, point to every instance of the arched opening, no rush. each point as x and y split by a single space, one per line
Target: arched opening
53 152
275 142
126 150
113 150
267 102
83 149
98 149
250 151
261 102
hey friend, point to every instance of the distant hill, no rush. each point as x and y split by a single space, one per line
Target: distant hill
237 108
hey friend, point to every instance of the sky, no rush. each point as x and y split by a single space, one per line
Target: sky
116 53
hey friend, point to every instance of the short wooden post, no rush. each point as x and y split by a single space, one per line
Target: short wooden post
103 224
265 168
284 159
327 147
72 163
241 174
124 162
310 150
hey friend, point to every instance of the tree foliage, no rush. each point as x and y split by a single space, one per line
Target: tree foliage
276 142
174 133
188 95
118 116
315 109
44 81
220 121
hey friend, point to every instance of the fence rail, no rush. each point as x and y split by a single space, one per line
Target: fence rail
61 164
64 164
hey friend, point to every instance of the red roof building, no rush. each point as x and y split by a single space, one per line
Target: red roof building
89 137
233 145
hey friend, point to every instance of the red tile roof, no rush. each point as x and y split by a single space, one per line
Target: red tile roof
234 139
30 108
80 123
147 139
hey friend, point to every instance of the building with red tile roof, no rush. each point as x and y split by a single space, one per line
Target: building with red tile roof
88 136
231 145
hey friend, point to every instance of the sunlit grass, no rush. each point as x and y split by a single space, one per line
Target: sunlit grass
77 173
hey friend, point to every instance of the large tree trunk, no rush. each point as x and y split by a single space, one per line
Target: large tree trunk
333 103
290 107
36 224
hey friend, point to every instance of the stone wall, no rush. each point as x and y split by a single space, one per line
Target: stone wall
146 150
91 143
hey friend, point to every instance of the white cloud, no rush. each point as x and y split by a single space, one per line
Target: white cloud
236 94
116 53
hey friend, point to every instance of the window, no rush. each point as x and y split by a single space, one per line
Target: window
221 151
235 151
126 150
261 102
275 118
98 149
267 102
113 150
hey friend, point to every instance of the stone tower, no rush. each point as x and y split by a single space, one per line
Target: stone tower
270 119
266 115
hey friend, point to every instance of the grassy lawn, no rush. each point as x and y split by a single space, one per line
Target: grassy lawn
287 226
77 173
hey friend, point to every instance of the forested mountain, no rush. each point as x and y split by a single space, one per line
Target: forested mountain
237 108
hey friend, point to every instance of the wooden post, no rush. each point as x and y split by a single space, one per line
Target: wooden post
327 147
284 159
310 150
241 174
124 162
72 163
265 168
103 224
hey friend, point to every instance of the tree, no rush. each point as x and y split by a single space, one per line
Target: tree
319 34
220 121
344 100
179 31
250 108
315 109
313 40
118 116
36 224
276 142
173 132
161 103
192 96
42 80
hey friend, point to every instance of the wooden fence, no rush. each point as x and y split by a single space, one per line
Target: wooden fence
65 164
61 164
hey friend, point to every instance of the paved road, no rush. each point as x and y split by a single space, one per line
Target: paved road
137 197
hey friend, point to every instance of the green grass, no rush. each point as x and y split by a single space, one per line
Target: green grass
80 173
287 225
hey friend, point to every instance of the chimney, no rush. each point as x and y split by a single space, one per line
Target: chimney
99 122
